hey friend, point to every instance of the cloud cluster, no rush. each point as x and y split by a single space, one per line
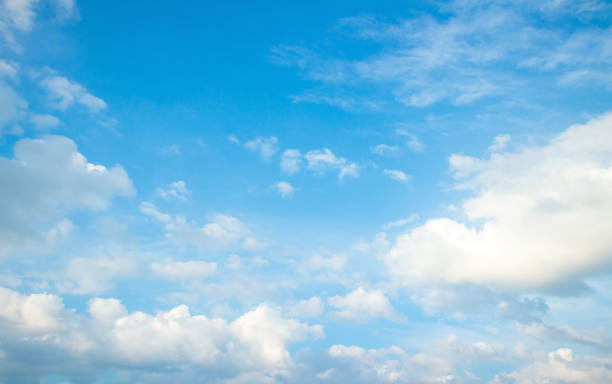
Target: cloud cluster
256 341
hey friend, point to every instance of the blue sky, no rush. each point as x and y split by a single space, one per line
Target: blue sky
356 192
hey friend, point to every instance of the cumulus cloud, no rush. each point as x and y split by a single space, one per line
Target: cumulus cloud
176 190
87 275
543 212
284 188
64 93
362 305
255 342
46 178
266 146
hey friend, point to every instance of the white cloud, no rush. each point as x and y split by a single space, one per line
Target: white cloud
64 93
170 150
46 178
542 211
312 307
291 161
44 121
176 190
401 222
266 147
284 188
397 175
12 106
222 232
361 305
414 144
256 342
31 314
8 69
184 270
87 275
384 149
500 142
323 160
560 366
318 161
233 139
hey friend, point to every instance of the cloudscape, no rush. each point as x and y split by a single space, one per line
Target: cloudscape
306 192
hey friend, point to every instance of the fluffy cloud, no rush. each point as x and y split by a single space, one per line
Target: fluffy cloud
12 106
46 178
542 214
257 341
222 232
361 305
64 93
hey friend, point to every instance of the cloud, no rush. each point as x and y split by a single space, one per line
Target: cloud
397 175
446 362
44 121
170 150
401 222
500 142
222 232
255 342
459 53
318 161
175 190
266 147
87 275
47 178
312 307
361 305
183 270
560 366
64 93
384 149
542 214
284 189
12 106
291 161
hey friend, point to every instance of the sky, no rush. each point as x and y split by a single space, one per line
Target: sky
306 192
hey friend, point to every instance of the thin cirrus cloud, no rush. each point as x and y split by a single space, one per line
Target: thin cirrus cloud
425 61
